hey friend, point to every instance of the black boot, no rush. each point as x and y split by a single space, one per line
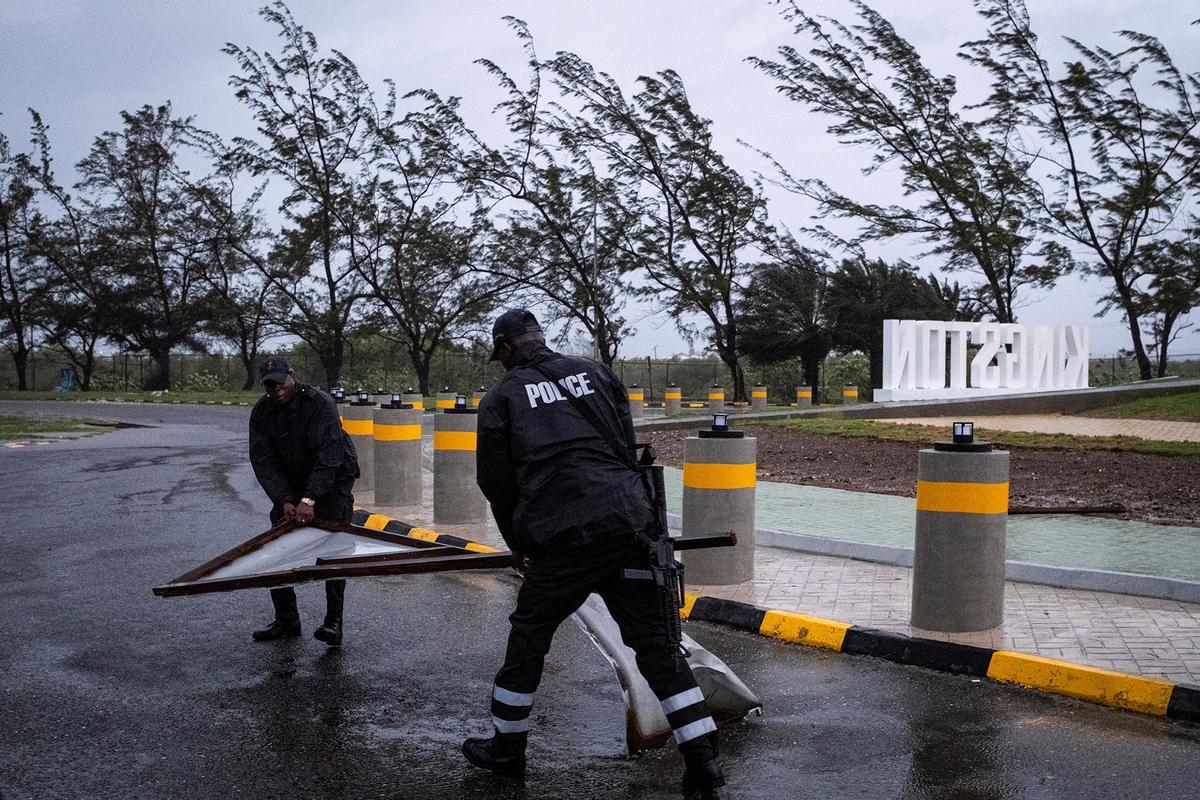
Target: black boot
330 631
286 624
503 754
702 775
703 782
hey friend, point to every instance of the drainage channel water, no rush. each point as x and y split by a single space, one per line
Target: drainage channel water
1057 540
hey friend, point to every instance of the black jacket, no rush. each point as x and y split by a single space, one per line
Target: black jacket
299 449
553 481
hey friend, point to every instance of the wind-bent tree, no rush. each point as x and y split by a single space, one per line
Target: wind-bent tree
782 312
697 214
563 224
139 203
1117 139
863 293
967 183
311 110
18 270
1173 291
72 287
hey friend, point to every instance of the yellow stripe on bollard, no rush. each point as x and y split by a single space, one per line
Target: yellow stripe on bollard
962 498
850 393
758 394
376 522
396 433
803 629
805 393
475 401
445 403
719 476
358 427
1132 692
716 395
673 395
454 440
637 397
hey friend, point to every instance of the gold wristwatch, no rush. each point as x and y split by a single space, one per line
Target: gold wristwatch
308 501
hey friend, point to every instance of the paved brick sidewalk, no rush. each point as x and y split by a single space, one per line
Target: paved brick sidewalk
1144 636
1161 430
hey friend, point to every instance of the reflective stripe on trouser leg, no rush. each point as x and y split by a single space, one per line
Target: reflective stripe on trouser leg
510 710
688 715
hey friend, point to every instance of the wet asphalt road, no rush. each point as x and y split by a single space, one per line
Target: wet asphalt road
109 691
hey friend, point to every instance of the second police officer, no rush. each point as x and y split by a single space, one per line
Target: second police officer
572 507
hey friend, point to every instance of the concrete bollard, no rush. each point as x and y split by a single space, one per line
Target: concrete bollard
637 401
718 496
381 396
758 398
445 400
716 400
962 517
849 395
456 495
477 398
804 396
398 478
673 400
411 397
358 420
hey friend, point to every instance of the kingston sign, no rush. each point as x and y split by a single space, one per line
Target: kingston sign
931 359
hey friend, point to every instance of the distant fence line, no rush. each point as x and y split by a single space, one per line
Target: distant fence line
464 372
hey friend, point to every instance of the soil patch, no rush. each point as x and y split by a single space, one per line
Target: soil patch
1164 489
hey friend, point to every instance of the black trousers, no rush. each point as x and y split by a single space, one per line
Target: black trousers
337 505
555 586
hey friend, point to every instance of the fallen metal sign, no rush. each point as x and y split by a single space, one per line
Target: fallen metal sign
291 553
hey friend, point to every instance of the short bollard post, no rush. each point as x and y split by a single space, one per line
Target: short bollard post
637 400
673 400
718 497
411 397
477 398
804 396
962 516
445 399
716 399
849 395
758 398
381 396
397 446
456 495
358 420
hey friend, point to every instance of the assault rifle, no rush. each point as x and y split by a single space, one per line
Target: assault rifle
665 570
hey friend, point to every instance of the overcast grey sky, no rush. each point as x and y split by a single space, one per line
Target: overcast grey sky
80 63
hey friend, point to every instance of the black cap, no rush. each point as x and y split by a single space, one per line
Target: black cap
513 322
274 368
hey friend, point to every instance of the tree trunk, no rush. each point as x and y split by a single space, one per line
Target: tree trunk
875 357
248 363
737 373
1145 370
1164 341
159 376
332 361
810 367
20 358
421 362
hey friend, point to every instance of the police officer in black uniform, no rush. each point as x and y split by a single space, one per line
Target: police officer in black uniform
306 464
565 501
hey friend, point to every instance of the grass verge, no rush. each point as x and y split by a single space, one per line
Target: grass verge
926 434
205 398
25 428
1176 407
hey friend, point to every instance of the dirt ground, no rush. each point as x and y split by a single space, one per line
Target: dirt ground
1154 488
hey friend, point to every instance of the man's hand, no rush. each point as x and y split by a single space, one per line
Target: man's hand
289 510
303 512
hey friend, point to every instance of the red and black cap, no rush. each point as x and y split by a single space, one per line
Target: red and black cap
273 368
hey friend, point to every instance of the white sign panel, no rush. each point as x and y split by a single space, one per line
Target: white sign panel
930 359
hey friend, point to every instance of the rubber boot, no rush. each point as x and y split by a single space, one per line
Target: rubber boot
503 754
286 624
330 631
702 775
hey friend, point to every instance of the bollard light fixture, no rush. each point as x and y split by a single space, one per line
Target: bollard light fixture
963 432
363 396
379 390
460 401
396 399
720 422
